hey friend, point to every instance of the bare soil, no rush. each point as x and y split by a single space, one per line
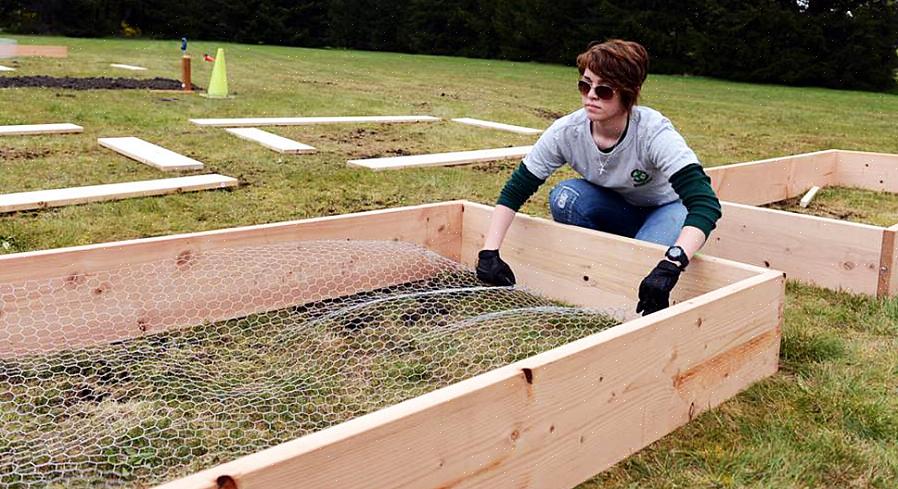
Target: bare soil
91 83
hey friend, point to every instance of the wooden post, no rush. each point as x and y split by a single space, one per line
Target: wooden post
884 285
893 282
186 83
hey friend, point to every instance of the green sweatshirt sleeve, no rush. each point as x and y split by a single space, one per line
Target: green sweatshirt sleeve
694 188
519 188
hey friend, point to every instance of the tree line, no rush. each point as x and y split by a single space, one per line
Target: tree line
830 43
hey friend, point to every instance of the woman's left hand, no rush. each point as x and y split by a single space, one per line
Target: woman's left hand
654 291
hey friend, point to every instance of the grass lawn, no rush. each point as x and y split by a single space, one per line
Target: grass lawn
828 419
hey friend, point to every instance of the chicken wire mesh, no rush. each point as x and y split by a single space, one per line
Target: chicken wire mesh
141 374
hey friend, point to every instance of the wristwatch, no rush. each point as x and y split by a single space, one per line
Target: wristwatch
676 254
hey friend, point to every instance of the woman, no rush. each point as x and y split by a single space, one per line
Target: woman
639 177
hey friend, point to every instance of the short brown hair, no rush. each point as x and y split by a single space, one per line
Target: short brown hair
622 64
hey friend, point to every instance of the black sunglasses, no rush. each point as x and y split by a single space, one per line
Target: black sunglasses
604 92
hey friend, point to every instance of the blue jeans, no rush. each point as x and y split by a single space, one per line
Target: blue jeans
587 205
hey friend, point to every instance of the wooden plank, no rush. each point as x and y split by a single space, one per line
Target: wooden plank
442 159
299 121
436 226
78 311
825 252
114 191
29 129
190 281
549 421
127 67
150 154
272 141
765 181
872 171
582 266
7 48
497 125
42 51
6 68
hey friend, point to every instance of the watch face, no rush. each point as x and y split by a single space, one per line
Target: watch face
675 252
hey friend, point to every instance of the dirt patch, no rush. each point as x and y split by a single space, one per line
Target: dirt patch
360 133
317 82
548 114
355 136
12 154
847 204
91 83
494 167
817 209
374 142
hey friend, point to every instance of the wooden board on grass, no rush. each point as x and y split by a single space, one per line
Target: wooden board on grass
29 129
42 51
300 121
150 154
272 141
497 125
127 67
6 68
442 159
114 191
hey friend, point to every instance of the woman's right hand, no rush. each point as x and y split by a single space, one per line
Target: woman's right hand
492 270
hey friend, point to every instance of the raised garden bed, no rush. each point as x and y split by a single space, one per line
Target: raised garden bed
831 253
463 385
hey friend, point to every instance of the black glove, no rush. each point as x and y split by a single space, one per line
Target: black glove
492 270
654 291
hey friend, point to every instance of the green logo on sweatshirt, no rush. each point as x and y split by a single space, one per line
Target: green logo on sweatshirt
640 178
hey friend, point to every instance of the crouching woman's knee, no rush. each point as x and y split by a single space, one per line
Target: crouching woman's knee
563 200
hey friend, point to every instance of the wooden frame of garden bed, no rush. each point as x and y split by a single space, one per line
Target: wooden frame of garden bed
552 420
835 254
